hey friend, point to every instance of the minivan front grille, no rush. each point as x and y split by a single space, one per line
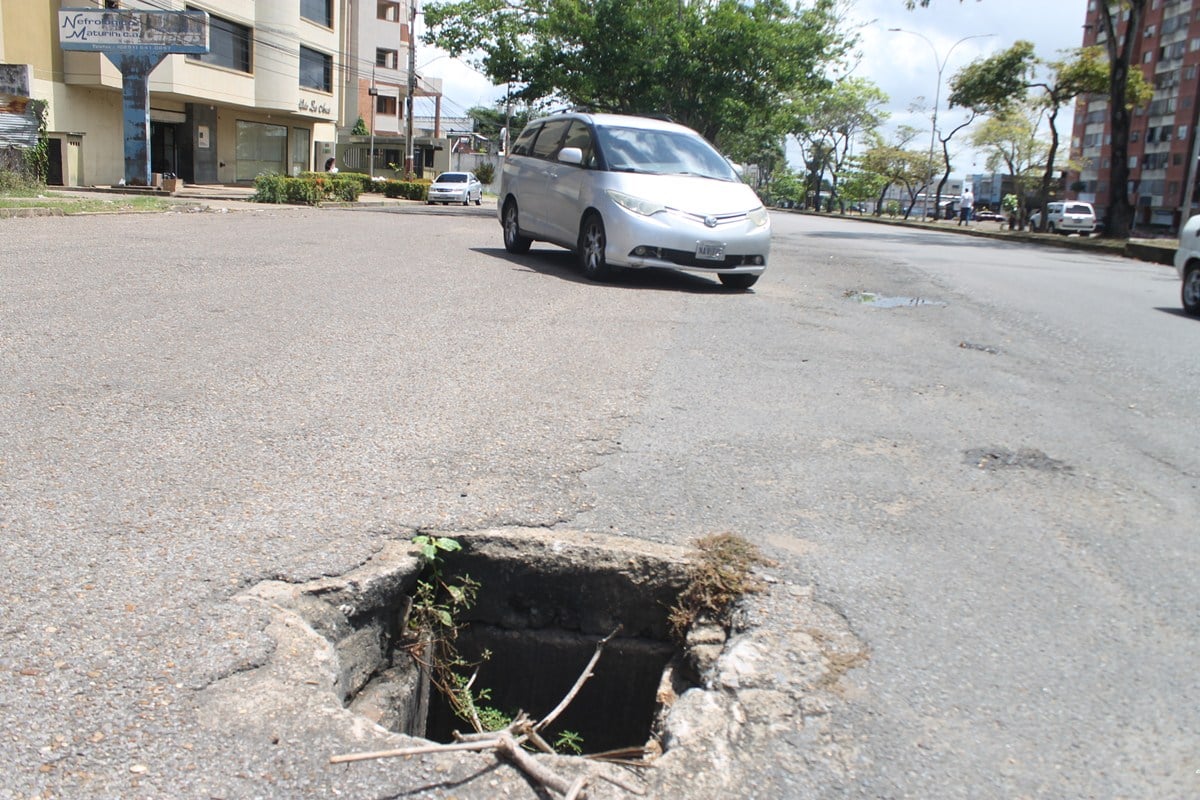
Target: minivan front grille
720 219
686 258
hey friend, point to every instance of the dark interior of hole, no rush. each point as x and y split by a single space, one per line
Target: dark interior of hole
541 615
533 670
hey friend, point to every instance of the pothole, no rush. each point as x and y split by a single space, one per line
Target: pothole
703 713
993 458
879 301
983 348
541 608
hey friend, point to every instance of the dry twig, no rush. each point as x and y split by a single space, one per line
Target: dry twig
509 740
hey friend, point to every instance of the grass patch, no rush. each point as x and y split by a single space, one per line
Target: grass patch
720 573
82 205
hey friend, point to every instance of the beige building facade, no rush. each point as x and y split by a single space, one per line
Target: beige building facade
263 99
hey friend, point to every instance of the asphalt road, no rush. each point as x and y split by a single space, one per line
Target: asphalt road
995 489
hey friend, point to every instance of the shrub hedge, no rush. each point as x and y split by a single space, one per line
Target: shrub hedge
417 189
307 188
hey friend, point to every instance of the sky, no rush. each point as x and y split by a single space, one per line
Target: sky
903 65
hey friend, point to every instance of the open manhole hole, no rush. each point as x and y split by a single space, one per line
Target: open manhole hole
542 605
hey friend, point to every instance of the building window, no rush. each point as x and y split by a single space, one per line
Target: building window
228 44
318 11
316 70
261 148
385 105
387 11
1182 132
385 58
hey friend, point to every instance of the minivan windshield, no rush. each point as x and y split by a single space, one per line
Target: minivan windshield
661 152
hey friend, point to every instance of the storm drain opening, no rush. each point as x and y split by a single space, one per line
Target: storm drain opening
542 605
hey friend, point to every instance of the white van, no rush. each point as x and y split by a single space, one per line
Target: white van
1071 217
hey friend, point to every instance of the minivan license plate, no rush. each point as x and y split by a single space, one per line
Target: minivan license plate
710 251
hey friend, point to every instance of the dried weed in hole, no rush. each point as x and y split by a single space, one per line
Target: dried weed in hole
720 573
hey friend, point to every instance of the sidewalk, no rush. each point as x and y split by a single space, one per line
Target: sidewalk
1159 251
218 195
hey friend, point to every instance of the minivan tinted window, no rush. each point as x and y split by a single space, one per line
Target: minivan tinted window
547 141
661 152
521 145
579 136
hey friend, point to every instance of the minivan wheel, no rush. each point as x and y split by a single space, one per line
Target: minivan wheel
738 281
514 242
592 243
1190 294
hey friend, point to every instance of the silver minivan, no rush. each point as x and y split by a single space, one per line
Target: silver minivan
631 192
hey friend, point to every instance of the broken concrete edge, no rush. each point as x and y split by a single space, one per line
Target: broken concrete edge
762 675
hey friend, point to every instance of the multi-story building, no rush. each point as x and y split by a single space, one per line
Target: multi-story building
380 58
1162 140
269 96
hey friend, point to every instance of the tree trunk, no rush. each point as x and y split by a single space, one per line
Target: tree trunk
1048 176
1120 210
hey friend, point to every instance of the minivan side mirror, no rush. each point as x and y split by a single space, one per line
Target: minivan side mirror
571 155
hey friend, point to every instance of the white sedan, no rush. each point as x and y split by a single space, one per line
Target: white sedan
456 187
1187 262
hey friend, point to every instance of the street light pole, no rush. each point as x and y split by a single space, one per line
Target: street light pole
940 63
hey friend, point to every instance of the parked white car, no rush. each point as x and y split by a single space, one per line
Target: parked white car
1070 217
1187 263
632 192
456 187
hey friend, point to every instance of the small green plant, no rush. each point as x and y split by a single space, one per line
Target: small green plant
485 171
434 624
569 741
360 128
720 573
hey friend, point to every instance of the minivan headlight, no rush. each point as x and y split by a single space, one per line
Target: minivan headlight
759 217
637 205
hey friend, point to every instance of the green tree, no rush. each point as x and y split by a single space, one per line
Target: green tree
859 184
1009 77
786 187
719 66
490 121
896 165
826 126
1009 138
1122 98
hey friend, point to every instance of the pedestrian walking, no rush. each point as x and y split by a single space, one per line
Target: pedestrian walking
967 208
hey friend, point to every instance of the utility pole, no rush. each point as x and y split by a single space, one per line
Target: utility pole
412 87
373 93
507 118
